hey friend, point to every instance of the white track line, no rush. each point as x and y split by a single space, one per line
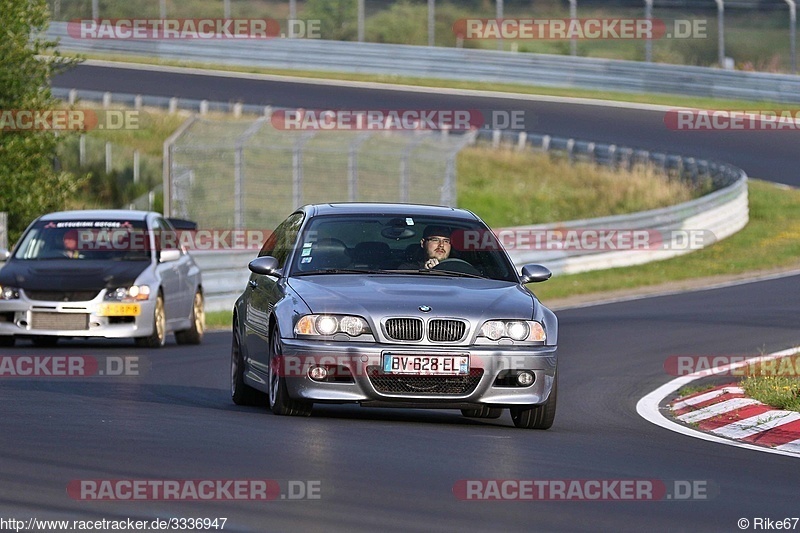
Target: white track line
757 424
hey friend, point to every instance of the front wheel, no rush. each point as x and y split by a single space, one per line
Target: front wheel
158 337
279 400
537 416
194 335
241 392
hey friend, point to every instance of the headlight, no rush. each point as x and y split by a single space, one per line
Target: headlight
9 293
518 330
331 324
129 294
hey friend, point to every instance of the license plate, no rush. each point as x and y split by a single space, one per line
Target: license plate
119 310
426 365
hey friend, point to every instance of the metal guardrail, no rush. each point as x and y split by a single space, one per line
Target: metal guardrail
720 213
453 63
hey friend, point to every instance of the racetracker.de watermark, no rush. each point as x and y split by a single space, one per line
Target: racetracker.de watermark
732 365
583 490
69 366
69 119
732 120
553 29
191 29
579 239
193 489
377 119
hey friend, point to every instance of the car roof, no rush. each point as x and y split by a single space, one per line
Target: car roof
364 208
105 214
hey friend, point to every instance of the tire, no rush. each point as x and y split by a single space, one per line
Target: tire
241 392
279 400
537 416
44 341
7 341
483 412
158 338
194 335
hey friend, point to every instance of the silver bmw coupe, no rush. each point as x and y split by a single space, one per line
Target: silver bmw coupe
393 305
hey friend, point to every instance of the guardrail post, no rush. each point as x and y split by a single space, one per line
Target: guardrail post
570 149
73 96
521 140
136 166
268 112
496 138
591 149
546 143
173 105
108 157
237 109
137 101
204 107
106 100
82 150
612 155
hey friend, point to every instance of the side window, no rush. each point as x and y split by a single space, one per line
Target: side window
279 244
165 235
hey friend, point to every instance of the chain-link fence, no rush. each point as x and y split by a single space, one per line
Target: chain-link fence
246 174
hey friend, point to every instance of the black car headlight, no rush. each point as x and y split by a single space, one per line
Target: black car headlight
9 293
322 325
133 293
518 330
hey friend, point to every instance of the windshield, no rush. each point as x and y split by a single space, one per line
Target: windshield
405 244
107 240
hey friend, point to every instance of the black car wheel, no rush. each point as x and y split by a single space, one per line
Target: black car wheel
279 400
537 416
241 392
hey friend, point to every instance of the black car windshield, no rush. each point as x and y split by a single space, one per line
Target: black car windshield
106 240
375 243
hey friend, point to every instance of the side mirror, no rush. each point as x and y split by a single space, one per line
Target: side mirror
265 266
4 255
534 274
169 255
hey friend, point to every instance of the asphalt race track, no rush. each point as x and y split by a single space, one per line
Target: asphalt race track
395 469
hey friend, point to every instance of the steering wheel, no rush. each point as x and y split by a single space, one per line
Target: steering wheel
454 264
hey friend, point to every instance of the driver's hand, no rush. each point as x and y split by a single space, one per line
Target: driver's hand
430 263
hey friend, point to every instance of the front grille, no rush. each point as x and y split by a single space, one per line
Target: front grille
404 329
56 321
404 384
446 330
62 296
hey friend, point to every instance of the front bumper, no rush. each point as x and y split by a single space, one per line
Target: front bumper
28 318
358 382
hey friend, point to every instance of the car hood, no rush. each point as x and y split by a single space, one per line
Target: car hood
71 274
402 295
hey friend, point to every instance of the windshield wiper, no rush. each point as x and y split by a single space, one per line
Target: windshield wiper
437 272
340 271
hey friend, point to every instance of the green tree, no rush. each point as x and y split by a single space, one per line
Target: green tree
29 185
338 18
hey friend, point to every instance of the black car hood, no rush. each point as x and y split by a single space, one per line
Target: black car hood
70 274
402 295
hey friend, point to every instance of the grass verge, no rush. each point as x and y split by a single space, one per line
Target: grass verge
770 240
775 382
